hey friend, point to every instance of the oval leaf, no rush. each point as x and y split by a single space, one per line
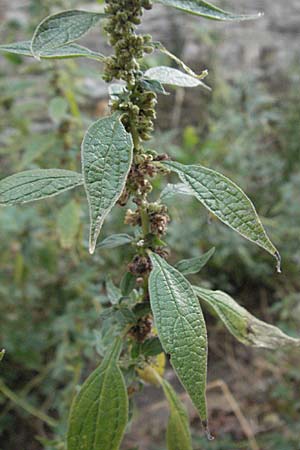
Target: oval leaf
226 201
244 326
207 10
99 413
68 221
106 159
61 29
178 431
168 75
67 51
181 328
194 265
36 184
115 240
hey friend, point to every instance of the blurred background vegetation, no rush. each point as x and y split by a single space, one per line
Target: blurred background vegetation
52 292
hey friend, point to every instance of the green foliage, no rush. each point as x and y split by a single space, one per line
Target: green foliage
106 160
117 168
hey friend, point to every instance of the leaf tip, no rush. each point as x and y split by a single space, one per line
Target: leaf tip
207 432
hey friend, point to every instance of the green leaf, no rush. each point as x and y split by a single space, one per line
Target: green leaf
194 265
115 240
106 160
113 292
244 326
207 10
153 86
172 189
181 328
151 347
68 221
36 184
61 29
99 413
226 201
178 431
127 283
67 51
58 108
174 77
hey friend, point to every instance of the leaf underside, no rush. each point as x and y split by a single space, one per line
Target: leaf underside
67 51
62 28
174 77
207 10
225 200
106 160
99 413
244 326
181 328
31 185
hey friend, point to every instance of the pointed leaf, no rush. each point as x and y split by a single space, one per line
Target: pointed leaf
36 184
113 292
127 284
207 10
67 51
244 326
115 240
168 75
226 201
68 222
178 431
194 265
99 413
61 29
106 160
181 328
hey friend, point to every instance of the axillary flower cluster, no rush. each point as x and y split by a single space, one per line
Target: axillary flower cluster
136 103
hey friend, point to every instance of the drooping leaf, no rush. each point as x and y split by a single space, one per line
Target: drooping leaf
174 77
115 240
194 265
36 184
68 221
187 69
207 10
67 51
106 160
244 326
99 413
178 430
225 200
181 328
172 189
62 28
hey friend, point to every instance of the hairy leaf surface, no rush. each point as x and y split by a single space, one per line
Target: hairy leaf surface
194 265
174 77
36 184
172 189
207 10
178 431
226 201
106 160
115 240
181 328
99 413
244 326
67 51
62 28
